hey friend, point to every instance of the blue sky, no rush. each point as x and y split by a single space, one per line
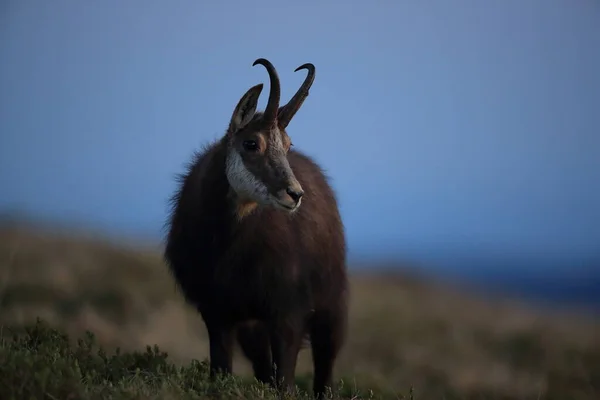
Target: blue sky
445 126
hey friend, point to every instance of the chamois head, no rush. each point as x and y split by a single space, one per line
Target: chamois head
257 167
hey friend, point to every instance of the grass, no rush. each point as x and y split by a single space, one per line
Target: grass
41 362
407 338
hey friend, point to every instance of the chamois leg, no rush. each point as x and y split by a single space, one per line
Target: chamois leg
255 344
221 348
286 340
327 333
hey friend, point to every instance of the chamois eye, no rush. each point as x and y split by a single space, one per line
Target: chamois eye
250 145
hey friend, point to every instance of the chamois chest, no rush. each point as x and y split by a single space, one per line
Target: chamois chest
255 272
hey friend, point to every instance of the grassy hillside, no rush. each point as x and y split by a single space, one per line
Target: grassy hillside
403 334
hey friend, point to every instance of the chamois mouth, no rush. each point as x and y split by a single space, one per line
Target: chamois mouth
286 206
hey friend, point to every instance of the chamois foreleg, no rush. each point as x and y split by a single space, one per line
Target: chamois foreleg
326 336
286 341
221 338
254 342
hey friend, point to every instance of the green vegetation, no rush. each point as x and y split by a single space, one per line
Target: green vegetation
41 362
404 333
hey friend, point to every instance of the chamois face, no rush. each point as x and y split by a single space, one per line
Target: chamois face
257 167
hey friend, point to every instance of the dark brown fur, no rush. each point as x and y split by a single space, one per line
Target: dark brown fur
267 279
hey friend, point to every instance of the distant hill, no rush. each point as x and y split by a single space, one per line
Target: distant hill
579 289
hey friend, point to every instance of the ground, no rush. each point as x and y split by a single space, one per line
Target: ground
407 337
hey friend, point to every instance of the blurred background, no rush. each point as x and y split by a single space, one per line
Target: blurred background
462 139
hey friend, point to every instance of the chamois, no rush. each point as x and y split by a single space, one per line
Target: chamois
256 244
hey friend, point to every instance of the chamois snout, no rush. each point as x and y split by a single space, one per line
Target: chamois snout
295 193
290 197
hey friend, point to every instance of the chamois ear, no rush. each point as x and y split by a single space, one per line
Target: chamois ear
245 109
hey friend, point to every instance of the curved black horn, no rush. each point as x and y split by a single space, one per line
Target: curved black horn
287 112
270 113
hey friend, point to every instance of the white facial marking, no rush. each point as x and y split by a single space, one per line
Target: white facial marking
243 181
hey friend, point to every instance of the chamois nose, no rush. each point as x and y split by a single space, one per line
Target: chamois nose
295 193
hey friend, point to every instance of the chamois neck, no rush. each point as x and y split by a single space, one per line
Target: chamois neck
242 208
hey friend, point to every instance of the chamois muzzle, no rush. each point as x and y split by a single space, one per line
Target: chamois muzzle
290 197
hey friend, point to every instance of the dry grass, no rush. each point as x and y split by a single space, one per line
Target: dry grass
403 332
